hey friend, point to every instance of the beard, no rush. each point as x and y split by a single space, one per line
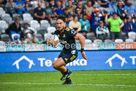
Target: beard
129 4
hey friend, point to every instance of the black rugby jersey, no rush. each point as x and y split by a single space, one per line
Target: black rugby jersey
67 39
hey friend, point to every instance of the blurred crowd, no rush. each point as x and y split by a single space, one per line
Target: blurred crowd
95 19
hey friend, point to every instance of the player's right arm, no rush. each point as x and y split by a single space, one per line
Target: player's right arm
52 42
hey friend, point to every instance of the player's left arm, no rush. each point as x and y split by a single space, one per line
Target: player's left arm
82 43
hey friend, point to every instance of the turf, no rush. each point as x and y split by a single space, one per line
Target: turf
113 80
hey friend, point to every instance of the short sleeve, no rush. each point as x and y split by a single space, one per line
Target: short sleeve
109 20
81 22
72 33
120 21
125 8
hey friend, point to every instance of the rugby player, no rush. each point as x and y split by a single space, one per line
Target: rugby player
69 53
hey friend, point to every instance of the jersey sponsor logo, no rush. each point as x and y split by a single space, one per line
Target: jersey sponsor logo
73 52
63 41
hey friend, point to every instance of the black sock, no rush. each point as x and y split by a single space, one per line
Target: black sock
68 79
66 72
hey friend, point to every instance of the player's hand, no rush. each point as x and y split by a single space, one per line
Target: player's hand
83 55
49 41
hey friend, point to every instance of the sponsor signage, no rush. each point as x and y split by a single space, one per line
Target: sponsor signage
120 46
91 46
103 46
42 61
2 47
44 47
34 47
16 47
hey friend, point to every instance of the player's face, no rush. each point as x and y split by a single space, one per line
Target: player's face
60 24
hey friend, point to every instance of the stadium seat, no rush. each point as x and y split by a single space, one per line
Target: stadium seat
35 24
129 40
107 41
124 36
30 10
47 36
97 41
88 41
91 36
132 35
1 13
27 17
51 29
43 22
7 18
53 23
5 37
17 15
118 40
6 14
39 36
2 43
42 31
3 26
1 9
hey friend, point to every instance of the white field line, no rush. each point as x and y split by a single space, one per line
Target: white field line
103 85
107 74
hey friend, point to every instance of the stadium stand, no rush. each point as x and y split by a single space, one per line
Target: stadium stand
44 26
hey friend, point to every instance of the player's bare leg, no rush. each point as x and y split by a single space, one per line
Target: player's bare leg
59 64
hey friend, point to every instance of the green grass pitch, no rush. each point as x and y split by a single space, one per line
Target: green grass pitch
112 80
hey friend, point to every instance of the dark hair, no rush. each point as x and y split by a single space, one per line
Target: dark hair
17 17
84 15
114 13
75 16
26 24
61 17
